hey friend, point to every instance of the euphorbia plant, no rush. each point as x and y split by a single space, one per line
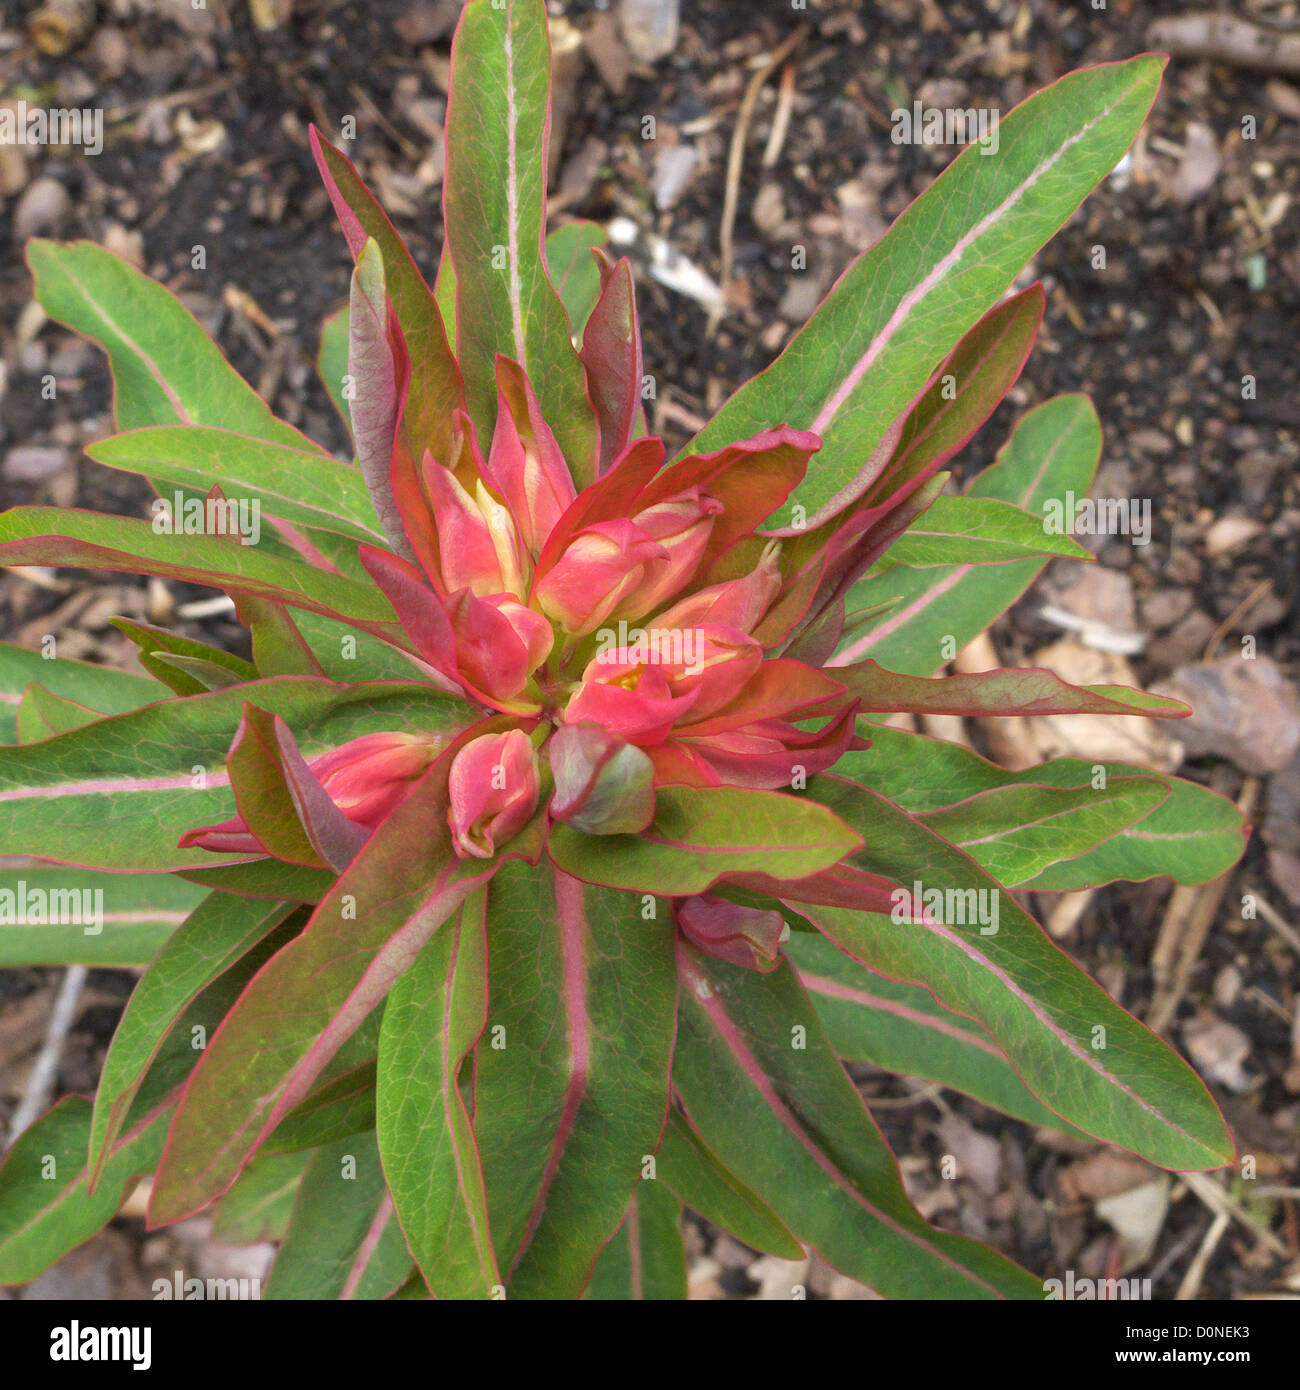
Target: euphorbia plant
552 851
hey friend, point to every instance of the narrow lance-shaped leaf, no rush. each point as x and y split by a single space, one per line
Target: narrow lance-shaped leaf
646 1258
377 367
435 388
310 998
871 346
101 688
699 834
216 934
571 1083
494 208
155 642
297 485
432 1020
900 1028
975 531
1008 693
260 1204
769 1097
1193 836
1054 449
574 271
981 955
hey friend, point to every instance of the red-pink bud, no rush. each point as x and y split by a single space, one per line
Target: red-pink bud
682 525
525 463
478 547
736 603
493 788
629 700
368 776
537 635
600 567
747 936
718 664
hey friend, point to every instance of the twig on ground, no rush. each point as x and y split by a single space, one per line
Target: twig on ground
40 1083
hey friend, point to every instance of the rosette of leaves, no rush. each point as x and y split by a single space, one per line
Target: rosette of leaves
538 874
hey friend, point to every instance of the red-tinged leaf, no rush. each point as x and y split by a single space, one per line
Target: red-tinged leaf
217 934
154 641
574 271
333 1110
435 388
41 715
1081 1054
751 479
779 689
966 390
688 1168
307 1001
765 1091
494 210
432 1020
279 648
380 370
64 536
260 1204
101 688
901 1029
45 1209
646 1258
158 772
1008 693
342 1240
166 370
570 1100
858 364
700 833
611 353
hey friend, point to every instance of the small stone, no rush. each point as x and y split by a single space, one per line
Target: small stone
674 165
43 206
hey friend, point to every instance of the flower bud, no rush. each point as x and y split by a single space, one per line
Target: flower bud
681 525
600 567
719 663
736 603
525 463
493 788
603 786
478 548
746 936
499 642
368 776
630 700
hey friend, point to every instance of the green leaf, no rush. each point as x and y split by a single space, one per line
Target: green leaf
573 270
432 1020
260 1204
161 769
571 1082
435 390
166 370
1011 692
102 688
220 931
312 996
41 715
155 642
332 361
686 1166
59 536
903 305
646 1258
766 1093
342 1240
125 918
300 486
495 212
1053 449
900 1028
699 834
975 531
1017 832
45 1210
335 1109
1079 1052
1193 836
